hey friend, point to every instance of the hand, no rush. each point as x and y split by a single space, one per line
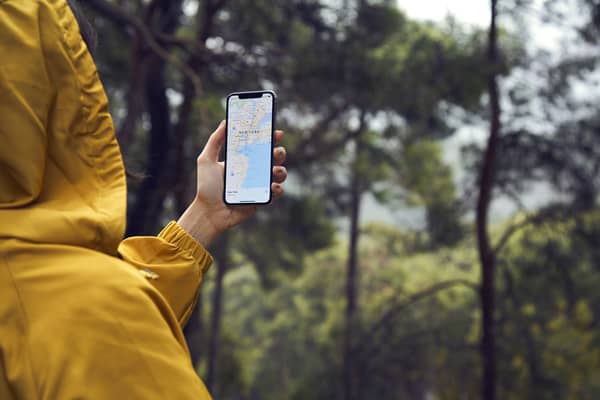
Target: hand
208 216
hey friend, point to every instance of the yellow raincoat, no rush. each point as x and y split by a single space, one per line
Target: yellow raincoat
82 314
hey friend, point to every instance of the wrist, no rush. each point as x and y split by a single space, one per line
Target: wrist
197 223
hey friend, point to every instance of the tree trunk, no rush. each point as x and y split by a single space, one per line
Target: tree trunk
486 254
149 198
147 205
349 379
135 95
221 254
180 133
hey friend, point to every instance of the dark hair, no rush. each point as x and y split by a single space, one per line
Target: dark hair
87 31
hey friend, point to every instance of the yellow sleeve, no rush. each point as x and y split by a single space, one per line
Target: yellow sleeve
26 96
174 263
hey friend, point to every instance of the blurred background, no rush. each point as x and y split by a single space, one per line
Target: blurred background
440 233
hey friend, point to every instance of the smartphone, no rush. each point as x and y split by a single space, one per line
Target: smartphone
250 125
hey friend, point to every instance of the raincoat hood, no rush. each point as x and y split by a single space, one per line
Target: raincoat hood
61 171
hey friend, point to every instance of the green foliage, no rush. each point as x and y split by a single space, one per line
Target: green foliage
296 226
289 339
290 336
425 64
430 183
425 174
550 339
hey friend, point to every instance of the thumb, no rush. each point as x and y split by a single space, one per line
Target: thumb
214 144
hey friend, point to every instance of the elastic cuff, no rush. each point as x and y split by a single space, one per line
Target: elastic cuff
176 235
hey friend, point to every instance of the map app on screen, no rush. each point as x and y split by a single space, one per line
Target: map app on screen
249 149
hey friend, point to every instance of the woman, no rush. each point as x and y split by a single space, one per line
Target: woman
83 314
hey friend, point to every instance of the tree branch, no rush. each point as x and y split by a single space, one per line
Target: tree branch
315 140
549 215
122 19
390 314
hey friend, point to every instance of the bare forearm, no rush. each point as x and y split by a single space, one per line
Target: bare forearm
196 222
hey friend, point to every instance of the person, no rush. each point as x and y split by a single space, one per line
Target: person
84 315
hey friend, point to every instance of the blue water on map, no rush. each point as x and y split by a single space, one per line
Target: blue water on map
259 165
266 119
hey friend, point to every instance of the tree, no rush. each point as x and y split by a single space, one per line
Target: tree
486 254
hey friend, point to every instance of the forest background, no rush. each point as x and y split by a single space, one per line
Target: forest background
439 234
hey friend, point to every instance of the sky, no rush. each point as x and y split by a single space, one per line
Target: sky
477 13
473 12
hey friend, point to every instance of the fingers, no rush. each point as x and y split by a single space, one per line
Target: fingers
279 174
215 142
278 136
277 190
279 155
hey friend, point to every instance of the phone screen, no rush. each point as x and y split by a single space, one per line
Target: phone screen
249 148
